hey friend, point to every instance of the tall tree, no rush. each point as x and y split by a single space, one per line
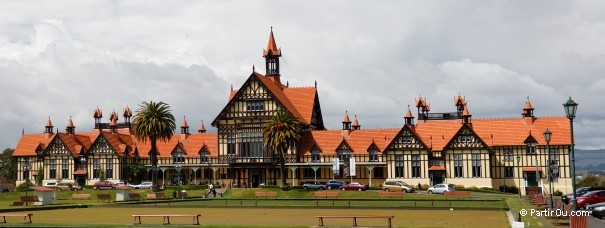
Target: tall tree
281 133
154 121
8 167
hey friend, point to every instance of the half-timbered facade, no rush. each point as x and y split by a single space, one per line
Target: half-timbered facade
437 148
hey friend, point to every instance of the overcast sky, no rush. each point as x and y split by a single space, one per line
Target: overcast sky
372 58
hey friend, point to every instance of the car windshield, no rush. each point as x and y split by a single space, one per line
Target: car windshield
590 194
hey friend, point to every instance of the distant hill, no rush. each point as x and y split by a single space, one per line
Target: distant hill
590 160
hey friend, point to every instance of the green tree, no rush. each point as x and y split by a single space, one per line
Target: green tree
153 122
136 172
40 176
281 133
101 175
8 167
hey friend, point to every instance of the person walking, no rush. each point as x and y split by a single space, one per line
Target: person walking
210 188
419 186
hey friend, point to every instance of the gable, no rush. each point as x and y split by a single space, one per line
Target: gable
406 139
344 146
56 147
101 146
178 149
466 138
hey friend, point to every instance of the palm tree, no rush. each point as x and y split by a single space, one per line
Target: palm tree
153 122
281 133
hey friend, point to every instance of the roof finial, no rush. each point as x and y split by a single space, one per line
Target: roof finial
527 98
23 131
287 84
316 84
253 70
271 29
231 87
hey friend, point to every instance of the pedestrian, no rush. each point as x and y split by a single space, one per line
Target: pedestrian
214 191
210 187
419 186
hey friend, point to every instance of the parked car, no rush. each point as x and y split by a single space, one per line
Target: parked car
441 188
68 187
354 186
104 185
388 186
120 184
312 185
143 185
335 184
581 191
597 210
50 184
593 197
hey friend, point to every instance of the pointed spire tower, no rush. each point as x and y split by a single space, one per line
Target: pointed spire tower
356 125
272 55
346 122
409 118
528 111
202 129
70 129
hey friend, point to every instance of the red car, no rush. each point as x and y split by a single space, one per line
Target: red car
591 198
104 185
354 186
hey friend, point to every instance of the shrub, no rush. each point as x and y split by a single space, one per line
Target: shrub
557 193
459 187
24 186
473 188
425 186
509 189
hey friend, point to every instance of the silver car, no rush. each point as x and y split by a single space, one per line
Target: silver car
312 185
441 188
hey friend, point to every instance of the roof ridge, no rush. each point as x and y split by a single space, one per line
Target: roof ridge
301 87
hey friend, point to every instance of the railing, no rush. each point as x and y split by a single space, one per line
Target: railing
439 116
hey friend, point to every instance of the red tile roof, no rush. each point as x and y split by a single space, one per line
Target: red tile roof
28 143
437 168
80 172
359 140
303 99
280 95
271 47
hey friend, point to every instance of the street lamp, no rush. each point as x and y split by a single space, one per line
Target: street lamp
178 167
570 110
209 167
547 137
519 173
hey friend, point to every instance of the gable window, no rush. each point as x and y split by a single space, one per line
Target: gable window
65 169
315 154
203 156
53 169
399 166
58 146
406 139
508 155
96 168
476 162
344 155
415 166
457 165
255 106
530 148
466 138
230 143
373 152
251 144
109 168
178 156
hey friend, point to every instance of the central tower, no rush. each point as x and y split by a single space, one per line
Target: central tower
272 55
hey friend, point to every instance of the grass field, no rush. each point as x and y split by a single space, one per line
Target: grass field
263 217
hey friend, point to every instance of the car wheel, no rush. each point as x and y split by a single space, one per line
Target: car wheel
321 188
112 188
306 188
359 189
330 187
387 190
95 188
430 192
342 189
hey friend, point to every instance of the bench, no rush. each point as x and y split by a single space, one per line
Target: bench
326 194
390 194
80 196
196 217
264 194
104 197
25 217
28 199
355 217
134 196
17 203
158 196
457 193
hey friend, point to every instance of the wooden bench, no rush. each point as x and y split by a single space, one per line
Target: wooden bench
104 197
196 217
25 217
80 196
326 194
355 217
158 196
30 199
17 203
390 194
264 194
457 193
134 196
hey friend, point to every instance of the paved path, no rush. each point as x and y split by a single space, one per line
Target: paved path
595 222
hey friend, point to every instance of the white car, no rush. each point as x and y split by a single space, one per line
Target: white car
441 188
144 184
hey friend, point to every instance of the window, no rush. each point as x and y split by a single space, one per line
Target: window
457 165
109 168
476 160
465 138
178 157
415 166
58 146
255 106
399 166
344 155
203 157
96 166
53 169
378 172
315 155
508 155
26 174
230 143
373 154
309 173
26 166
251 144
509 172
530 149
65 169
554 156
407 139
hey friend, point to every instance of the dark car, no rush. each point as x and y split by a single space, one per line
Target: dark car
354 186
335 184
581 191
312 185
597 210
590 198
104 185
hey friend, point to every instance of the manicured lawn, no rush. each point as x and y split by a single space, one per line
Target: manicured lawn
263 217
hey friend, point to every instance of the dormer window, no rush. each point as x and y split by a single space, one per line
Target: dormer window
204 155
407 139
373 153
255 106
315 154
530 148
178 156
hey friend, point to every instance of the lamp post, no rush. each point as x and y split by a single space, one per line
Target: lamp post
178 167
570 110
519 173
547 136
